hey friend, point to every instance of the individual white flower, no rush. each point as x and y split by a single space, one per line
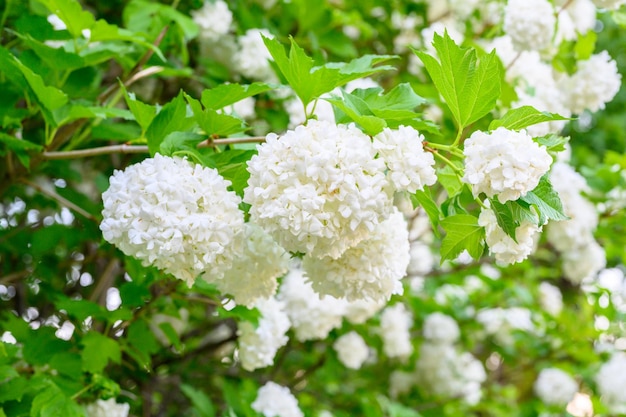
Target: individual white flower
501 245
255 271
258 346
594 84
611 380
214 19
274 400
583 262
395 327
529 23
609 4
175 215
107 408
555 387
251 59
318 189
359 311
351 350
372 269
410 168
550 298
311 317
440 328
505 163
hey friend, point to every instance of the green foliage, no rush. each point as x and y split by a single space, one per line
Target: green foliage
462 233
522 117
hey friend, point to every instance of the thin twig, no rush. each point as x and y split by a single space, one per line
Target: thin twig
209 143
13 276
62 200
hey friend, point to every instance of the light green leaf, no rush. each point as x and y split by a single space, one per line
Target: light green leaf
522 117
98 351
214 123
71 13
357 110
226 94
505 218
585 45
201 402
425 200
546 201
144 113
141 343
180 141
171 118
554 143
171 335
52 402
450 181
103 31
462 233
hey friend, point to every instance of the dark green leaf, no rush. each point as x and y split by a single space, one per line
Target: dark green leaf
171 118
141 343
98 351
171 335
72 14
227 94
52 402
462 233
522 117
134 294
546 200
201 402
505 217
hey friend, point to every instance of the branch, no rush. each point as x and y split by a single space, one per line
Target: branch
61 200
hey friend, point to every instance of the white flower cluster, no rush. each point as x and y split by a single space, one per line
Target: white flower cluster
611 380
550 298
214 19
555 387
440 328
395 326
258 346
254 272
351 350
318 189
529 23
504 163
251 59
274 400
410 168
107 408
372 269
506 250
175 215
500 322
594 84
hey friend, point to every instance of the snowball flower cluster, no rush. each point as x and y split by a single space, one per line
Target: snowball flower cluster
255 271
440 328
258 346
550 298
529 23
395 326
370 270
274 400
214 19
594 84
175 215
501 245
107 408
318 189
555 387
251 59
410 168
351 350
500 322
504 163
611 380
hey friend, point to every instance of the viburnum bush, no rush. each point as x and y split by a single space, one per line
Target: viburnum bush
312 208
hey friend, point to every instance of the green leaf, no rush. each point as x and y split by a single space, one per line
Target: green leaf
81 309
14 389
554 143
21 148
424 199
462 233
505 217
103 31
141 343
585 45
144 113
98 351
172 117
450 181
358 111
546 201
52 402
134 294
41 345
469 86
226 94
201 402
72 14
522 117
57 58
241 313
212 122
180 141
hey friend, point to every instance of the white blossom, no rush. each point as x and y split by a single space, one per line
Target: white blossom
583 262
107 408
529 23
251 59
351 350
255 271
555 387
274 400
410 168
359 311
214 19
372 269
318 189
440 328
611 380
395 325
550 298
175 215
504 163
258 346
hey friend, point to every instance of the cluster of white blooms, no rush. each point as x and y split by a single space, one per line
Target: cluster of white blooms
214 19
359 311
252 57
501 245
584 262
555 387
258 346
613 281
445 372
611 380
500 322
440 328
395 327
575 16
504 163
351 350
108 408
371 269
529 23
274 400
311 317
594 84
318 189
255 271
550 298
410 168
175 215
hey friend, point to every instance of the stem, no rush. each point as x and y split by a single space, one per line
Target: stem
61 200
448 162
565 6
508 67
82 391
448 148
5 14
457 140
